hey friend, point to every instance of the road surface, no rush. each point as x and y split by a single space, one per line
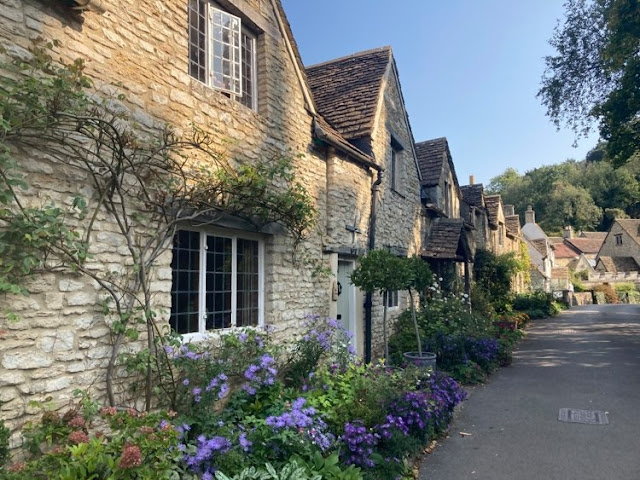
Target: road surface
586 358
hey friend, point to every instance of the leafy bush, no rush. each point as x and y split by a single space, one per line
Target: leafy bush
4 443
239 416
317 468
536 304
625 288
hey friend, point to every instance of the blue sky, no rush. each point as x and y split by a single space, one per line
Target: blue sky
469 69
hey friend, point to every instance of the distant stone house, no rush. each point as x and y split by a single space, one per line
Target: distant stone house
498 236
360 97
620 251
541 252
449 244
475 213
222 274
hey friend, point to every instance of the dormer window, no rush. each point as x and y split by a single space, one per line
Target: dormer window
222 52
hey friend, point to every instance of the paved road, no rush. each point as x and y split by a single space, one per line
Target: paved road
585 358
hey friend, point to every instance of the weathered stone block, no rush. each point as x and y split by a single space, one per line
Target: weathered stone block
25 360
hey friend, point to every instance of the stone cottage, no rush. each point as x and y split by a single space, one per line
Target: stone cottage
448 245
620 251
233 69
360 97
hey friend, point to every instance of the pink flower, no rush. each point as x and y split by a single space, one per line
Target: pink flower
108 411
76 422
77 437
131 457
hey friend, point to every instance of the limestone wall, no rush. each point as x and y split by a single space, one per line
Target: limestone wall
399 211
61 341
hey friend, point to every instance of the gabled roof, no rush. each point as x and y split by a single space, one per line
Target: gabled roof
585 245
541 245
431 157
473 194
493 207
631 226
601 235
556 240
564 250
346 90
445 236
513 224
619 264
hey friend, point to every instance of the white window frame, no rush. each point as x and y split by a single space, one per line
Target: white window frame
393 299
238 34
202 265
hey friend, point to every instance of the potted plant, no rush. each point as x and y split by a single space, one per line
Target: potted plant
418 278
379 271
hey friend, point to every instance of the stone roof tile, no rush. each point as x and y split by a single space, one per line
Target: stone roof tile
473 194
431 155
585 245
619 264
513 224
493 206
346 90
444 238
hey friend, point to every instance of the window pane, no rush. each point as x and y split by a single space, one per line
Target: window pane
225 69
248 70
247 299
218 287
185 282
197 39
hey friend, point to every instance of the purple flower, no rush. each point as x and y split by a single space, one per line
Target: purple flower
244 443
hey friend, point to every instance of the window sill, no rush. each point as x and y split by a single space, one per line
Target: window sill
202 91
201 337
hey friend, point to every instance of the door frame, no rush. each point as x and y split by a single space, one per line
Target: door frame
350 290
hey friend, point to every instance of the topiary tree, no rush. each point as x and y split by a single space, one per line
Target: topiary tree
379 271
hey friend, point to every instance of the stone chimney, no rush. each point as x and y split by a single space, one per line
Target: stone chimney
472 180
508 210
529 215
567 232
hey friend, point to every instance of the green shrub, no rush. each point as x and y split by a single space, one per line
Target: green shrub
625 288
4 444
537 304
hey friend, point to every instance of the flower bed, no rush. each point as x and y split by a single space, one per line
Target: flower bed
244 408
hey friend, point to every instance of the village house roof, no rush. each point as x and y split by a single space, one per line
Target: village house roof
564 250
585 245
619 264
631 226
431 156
556 240
541 245
493 206
444 239
601 235
512 223
473 194
346 90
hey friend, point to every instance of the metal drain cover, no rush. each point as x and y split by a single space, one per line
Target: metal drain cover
590 417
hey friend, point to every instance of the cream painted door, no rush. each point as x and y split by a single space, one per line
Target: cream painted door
346 296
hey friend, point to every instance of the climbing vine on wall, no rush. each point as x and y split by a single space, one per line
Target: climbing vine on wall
146 182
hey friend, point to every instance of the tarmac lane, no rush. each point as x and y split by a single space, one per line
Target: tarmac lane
586 361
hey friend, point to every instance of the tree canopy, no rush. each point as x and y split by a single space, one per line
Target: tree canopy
585 195
595 74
